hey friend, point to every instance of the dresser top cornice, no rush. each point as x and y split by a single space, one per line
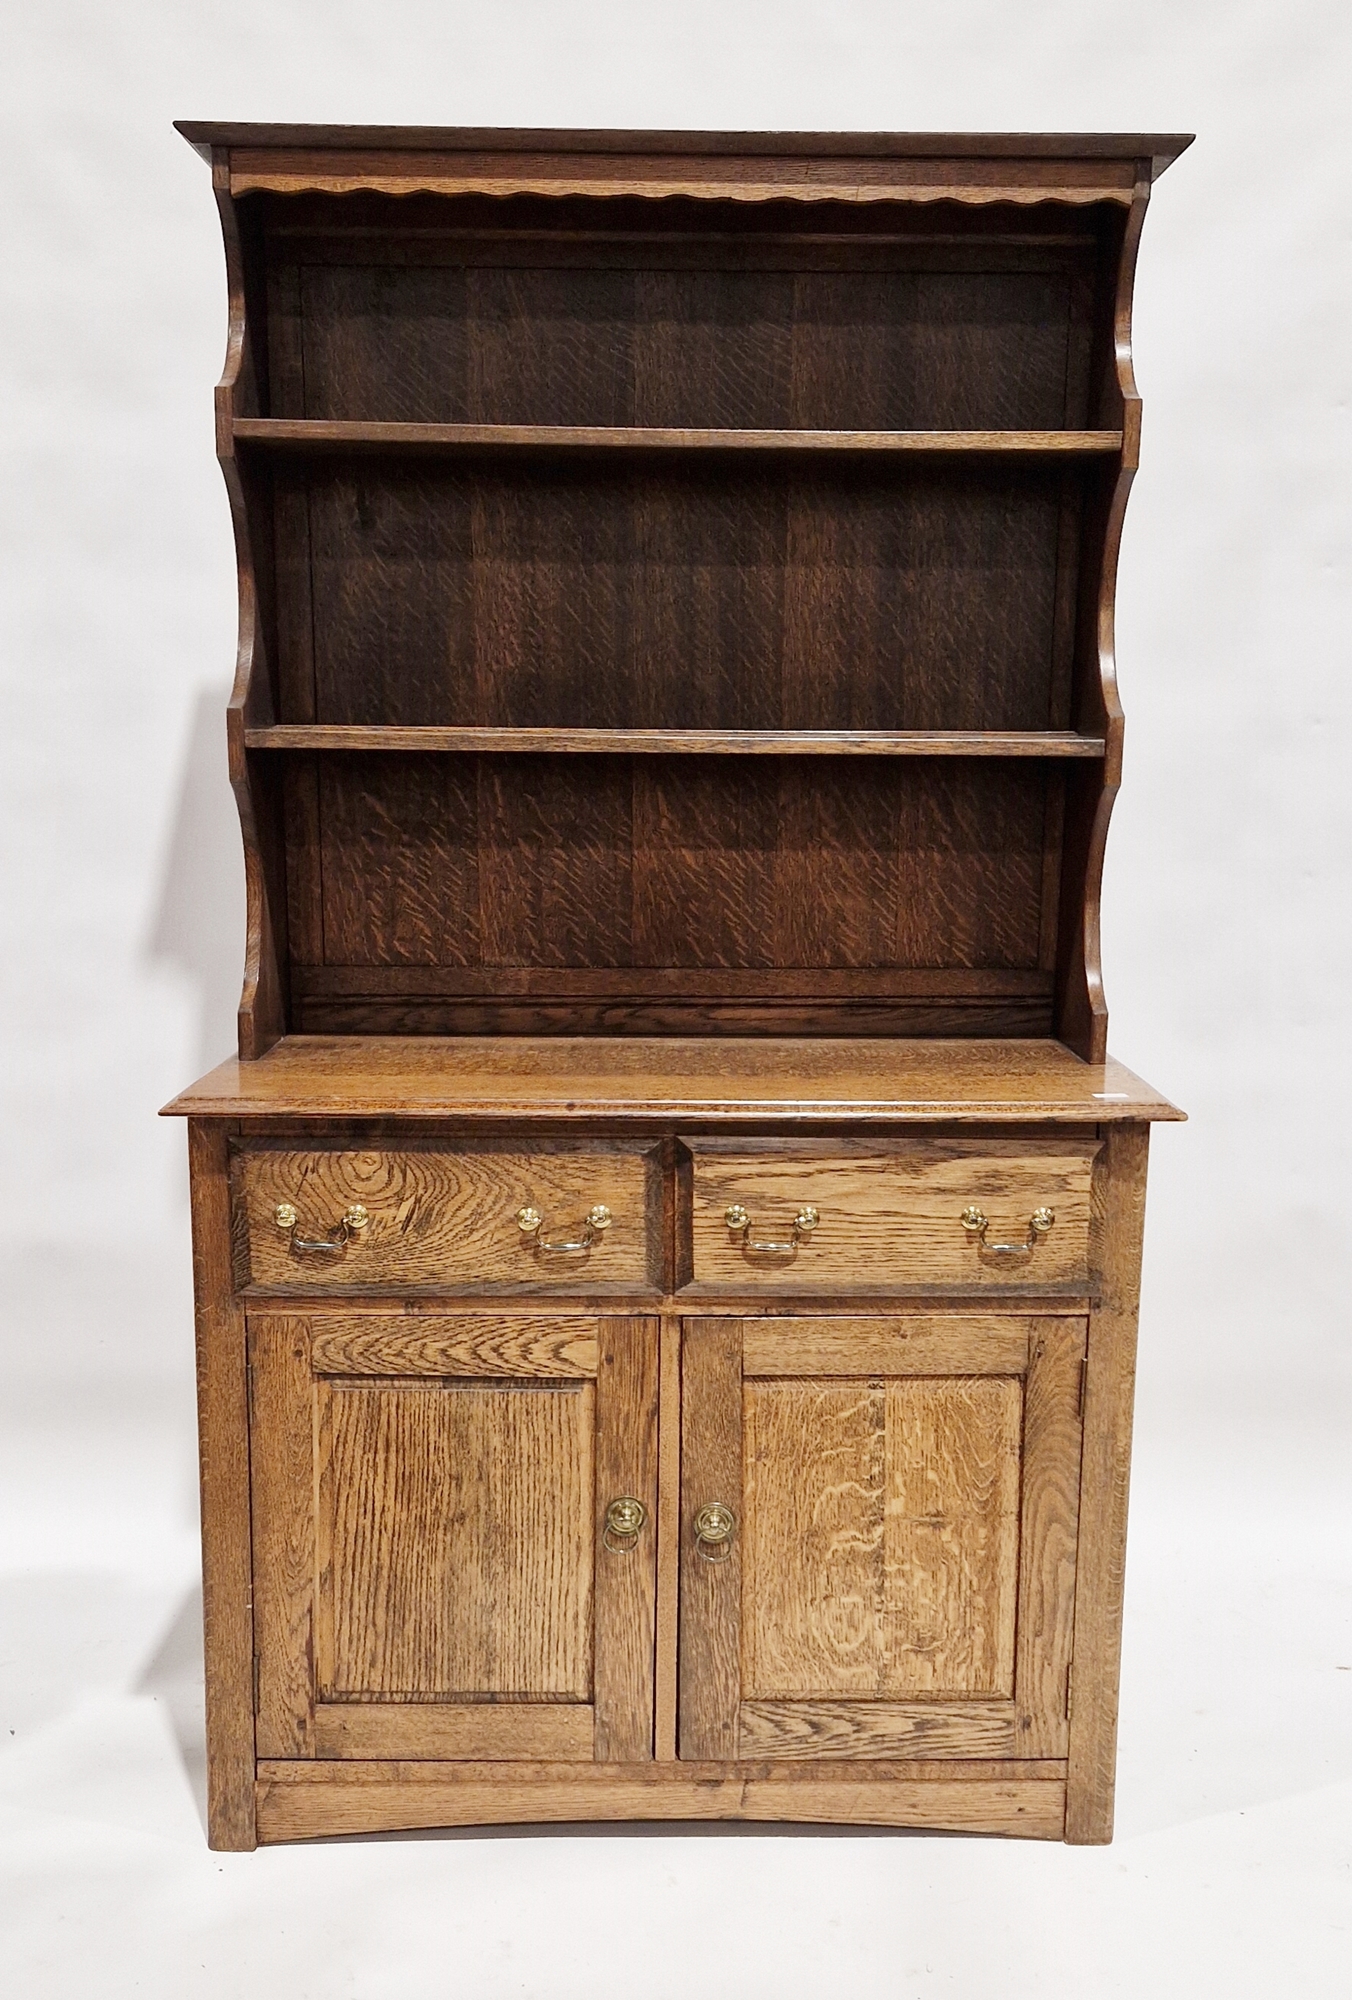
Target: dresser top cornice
808 166
1163 148
588 1078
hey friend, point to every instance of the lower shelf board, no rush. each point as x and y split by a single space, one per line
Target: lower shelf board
308 1799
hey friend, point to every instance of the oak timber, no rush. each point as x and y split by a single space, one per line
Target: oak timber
890 1217
315 435
223 1441
299 1801
1110 1378
678 742
675 730
445 1218
572 1079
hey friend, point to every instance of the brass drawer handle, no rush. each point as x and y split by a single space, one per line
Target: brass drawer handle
625 1522
715 1525
354 1220
530 1221
975 1221
739 1222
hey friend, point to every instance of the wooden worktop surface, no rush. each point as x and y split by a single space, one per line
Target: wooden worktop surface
512 1077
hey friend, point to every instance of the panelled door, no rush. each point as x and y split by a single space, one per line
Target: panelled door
441 1568
878 1536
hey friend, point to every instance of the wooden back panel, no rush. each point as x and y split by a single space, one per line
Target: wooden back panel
455 893
527 584
700 595
940 337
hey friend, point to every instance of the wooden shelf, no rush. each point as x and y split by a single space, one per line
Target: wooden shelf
685 742
290 435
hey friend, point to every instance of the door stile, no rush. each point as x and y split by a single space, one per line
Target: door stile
284 1552
711 1583
625 1598
1048 1535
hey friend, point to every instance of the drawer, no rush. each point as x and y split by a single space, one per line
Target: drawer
446 1219
888 1217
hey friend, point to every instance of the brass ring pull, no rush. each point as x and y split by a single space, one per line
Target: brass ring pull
530 1221
975 1221
354 1220
739 1222
715 1525
625 1522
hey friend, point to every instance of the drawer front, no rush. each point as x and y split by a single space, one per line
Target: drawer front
444 1219
889 1217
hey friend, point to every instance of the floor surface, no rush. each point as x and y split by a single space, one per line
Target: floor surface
1231 1873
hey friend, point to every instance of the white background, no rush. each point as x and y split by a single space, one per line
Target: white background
1226 956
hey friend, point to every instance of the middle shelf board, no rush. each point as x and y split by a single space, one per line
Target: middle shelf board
314 435
684 742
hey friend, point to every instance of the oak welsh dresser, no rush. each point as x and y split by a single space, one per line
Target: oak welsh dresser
667 1251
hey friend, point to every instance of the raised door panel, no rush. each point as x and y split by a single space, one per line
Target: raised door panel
432 1573
900 1581
880 1537
440 1493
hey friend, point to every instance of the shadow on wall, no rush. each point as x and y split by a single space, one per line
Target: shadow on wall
199 918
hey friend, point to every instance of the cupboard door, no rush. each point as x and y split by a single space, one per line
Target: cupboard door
434 1576
878 1532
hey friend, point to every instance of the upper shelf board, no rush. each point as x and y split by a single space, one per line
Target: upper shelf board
725 166
325 435
682 742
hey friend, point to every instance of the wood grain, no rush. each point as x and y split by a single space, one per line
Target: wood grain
909 1344
387 341
481 1731
724 590
329 736
676 665
447 1219
282 1457
881 1538
455 1344
951 1535
223 1444
1160 149
572 1080
1048 1534
455 1539
626 1578
816 177
261 1013
296 1801
555 847
812 1540
751 470
398 861
1082 1008
869 1730
1119 1198
668 1540
890 1218
630 1009
482 905
316 436
711 1470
